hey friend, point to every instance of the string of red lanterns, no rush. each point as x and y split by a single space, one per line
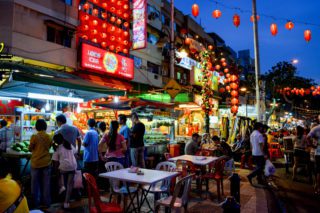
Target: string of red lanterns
300 92
236 21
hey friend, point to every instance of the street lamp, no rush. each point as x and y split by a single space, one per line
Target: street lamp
295 61
245 90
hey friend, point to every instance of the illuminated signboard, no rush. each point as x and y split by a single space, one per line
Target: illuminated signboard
139 24
97 59
198 78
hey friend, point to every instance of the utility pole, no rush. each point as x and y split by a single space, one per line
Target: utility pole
172 41
256 56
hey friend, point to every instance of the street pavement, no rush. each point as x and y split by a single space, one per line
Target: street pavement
252 199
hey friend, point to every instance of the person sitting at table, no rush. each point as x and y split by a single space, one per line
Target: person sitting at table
222 147
11 197
205 139
192 147
40 144
116 145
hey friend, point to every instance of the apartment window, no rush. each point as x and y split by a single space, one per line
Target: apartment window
153 13
137 62
153 68
59 34
165 20
152 38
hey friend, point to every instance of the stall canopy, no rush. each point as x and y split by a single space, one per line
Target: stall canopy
39 75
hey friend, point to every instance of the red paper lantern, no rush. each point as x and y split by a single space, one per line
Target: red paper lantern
111 47
209 65
103 35
104 15
223 60
119 21
226 70
228 75
95 1
119 39
228 88
119 3
84 37
118 49
86 6
112 38
195 10
94 32
236 20
234 101
125 33
289 25
218 67
125 42
221 74
112 9
224 64
104 44
104 5
225 81
94 22
187 41
307 91
104 25
126 24
234 109
234 93
85 27
125 51
274 29
210 47
222 90
252 17
126 6
234 85
312 87
95 12
233 78
307 35
112 19
216 14
126 15
119 12
85 17
94 40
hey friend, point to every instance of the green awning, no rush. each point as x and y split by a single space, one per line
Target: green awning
33 74
165 98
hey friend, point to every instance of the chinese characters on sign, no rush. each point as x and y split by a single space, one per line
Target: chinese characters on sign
97 59
139 24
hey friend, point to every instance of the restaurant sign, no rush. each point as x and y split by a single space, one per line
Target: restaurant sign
139 24
187 62
197 75
96 59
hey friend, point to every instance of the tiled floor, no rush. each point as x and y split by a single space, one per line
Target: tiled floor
252 200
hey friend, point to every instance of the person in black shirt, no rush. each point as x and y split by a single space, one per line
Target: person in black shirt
137 142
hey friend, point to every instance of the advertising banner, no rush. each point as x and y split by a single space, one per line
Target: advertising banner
198 79
94 58
139 24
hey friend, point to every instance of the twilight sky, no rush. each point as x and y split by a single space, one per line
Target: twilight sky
287 45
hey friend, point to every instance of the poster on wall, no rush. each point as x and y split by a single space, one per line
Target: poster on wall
198 78
139 24
94 58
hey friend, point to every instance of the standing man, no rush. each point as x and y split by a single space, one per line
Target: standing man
6 138
137 142
69 133
257 144
125 132
90 154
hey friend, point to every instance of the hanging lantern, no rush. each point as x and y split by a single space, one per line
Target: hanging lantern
234 93
84 37
228 88
125 51
126 15
94 22
228 75
225 81
209 65
226 70
104 44
119 21
195 10
236 20
126 6
94 40
234 109
233 78
307 35
94 32
112 38
104 15
86 6
126 24
222 90
85 17
125 33
103 35
223 60
111 47
274 29
224 64
252 18
307 92
112 19
85 27
104 25
216 14
312 87
234 85
210 47
221 74
217 67
234 101
289 25
95 12
187 41
104 5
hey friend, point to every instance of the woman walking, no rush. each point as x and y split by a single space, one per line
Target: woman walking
299 154
40 144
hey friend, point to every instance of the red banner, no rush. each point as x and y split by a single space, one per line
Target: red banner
113 64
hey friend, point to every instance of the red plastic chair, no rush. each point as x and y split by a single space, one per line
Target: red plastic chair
215 173
203 153
167 156
99 206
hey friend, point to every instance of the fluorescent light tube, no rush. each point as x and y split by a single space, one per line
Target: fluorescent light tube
55 98
9 98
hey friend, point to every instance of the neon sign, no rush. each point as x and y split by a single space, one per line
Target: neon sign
139 25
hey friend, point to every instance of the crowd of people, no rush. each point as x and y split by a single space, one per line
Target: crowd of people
73 152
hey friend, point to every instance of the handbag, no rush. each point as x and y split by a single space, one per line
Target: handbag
78 180
269 168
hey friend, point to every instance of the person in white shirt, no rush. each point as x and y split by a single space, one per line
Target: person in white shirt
64 155
314 140
256 144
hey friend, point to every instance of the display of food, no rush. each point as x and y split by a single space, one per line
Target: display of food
155 137
21 147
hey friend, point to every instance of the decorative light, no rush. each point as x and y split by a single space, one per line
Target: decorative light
307 35
252 18
236 20
195 10
47 106
289 25
187 41
78 110
9 98
274 29
216 14
116 99
55 97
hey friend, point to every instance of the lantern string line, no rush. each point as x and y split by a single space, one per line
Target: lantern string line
223 5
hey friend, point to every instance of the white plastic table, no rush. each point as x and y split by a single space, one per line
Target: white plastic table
196 160
149 177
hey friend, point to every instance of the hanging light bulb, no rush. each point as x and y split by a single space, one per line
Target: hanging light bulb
47 106
78 110
116 99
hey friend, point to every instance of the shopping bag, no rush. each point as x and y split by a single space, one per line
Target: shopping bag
78 180
269 168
